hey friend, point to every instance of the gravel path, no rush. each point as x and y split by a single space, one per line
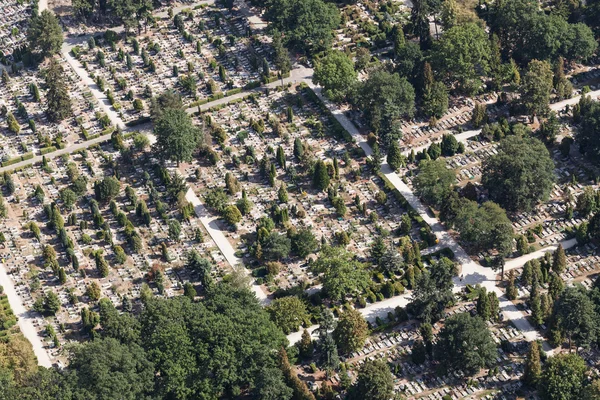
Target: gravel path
210 222
25 318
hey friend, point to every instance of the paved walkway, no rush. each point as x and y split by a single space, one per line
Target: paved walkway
25 319
210 222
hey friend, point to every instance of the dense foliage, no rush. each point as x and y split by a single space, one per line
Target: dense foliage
176 348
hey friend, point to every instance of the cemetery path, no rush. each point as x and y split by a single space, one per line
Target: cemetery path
296 75
25 319
105 105
73 148
574 100
210 223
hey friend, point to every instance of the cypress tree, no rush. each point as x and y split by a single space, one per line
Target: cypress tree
320 177
58 101
559 261
533 368
394 156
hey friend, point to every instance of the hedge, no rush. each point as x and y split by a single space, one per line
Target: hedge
47 150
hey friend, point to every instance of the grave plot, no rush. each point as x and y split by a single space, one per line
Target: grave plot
24 126
68 244
418 381
13 28
266 150
548 223
367 25
203 54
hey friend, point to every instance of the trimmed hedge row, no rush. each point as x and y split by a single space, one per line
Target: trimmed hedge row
24 157
47 150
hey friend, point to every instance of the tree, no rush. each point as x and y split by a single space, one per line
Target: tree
51 302
520 175
276 246
106 189
306 24
375 382
588 135
465 344
176 136
232 214
45 34
343 275
449 145
484 228
432 291
536 87
479 115
288 313
306 346
434 181
559 260
320 176
351 332
169 99
68 197
107 369
575 316
394 156
58 101
484 309
435 96
93 291
592 391
13 124
533 368
587 201
304 243
270 385
299 388
335 72
562 377
174 229
462 51
202 266
182 338
282 57
385 98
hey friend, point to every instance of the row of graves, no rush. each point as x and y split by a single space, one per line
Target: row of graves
155 257
266 127
204 53
14 22
24 126
418 381
422 132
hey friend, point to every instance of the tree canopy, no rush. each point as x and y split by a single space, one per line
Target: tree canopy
335 72
45 34
384 98
465 344
307 24
461 53
562 377
520 175
343 275
375 382
176 136
434 181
